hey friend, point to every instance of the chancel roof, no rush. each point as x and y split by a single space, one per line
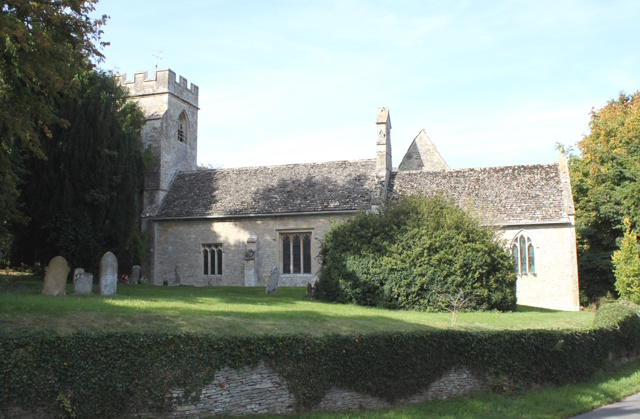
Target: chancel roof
499 195
291 188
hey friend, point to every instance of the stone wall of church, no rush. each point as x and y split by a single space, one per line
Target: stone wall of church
179 258
555 282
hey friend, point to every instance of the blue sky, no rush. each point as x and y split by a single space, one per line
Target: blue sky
491 82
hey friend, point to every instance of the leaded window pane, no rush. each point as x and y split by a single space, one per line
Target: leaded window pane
516 257
523 255
306 254
531 257
205 259
286 255
219 261
296 254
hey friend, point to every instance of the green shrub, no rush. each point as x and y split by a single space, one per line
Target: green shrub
623 318
411 253
626 266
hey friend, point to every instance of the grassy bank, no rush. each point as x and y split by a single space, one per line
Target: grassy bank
237 311
544 403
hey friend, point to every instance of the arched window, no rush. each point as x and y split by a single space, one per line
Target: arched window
182 127
212 259
523 253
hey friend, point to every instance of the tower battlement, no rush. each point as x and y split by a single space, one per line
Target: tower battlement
163 81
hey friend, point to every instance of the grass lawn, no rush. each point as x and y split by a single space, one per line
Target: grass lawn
236 310
545 403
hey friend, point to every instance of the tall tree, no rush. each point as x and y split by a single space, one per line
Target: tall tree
43 45
606 188
83 199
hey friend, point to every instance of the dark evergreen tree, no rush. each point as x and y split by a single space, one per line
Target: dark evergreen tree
43 45
84 198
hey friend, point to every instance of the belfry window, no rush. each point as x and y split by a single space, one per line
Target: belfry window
523 253
296 253
182 128
212 259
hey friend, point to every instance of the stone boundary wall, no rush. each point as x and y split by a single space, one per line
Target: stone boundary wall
260 390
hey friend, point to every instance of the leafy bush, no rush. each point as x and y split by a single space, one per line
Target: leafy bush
626 266
623 318
410 253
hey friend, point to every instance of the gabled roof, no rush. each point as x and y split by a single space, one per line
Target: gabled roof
292 188
422 155
500 195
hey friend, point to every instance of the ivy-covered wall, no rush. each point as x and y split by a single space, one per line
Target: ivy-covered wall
106 375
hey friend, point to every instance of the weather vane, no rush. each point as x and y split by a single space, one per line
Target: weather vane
157 56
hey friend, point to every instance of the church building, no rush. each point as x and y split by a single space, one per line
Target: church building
234 226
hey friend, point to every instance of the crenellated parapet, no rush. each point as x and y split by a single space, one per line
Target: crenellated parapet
162 82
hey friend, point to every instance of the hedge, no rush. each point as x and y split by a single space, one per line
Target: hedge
112 374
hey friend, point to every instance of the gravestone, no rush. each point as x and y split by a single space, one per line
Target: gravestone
272 283
77 272
135 274
108 274
83 283
55 278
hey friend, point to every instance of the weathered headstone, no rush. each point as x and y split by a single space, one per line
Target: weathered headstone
83 283
108 274
272 283
55 277
309 289
135 274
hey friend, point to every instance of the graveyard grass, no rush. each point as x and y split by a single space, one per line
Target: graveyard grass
235 311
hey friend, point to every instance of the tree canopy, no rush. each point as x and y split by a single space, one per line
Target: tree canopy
83 199
411 254
43 45
605 179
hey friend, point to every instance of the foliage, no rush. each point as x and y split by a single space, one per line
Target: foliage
43 45
110 374
412 251
606 179
83 199
626 265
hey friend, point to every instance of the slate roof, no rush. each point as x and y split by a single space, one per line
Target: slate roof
292 188
501 195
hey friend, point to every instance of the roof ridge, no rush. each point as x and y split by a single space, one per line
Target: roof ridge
283 165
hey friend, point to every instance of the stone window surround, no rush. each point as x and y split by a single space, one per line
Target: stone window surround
516 243
183 127
280 233
214 265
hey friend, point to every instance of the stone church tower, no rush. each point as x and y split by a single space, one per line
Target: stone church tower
170 136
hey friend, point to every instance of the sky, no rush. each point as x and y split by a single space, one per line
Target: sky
492 82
